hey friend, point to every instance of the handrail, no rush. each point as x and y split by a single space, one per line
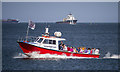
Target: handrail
29 38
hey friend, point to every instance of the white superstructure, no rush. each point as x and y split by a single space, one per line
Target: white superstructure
69 17
48 42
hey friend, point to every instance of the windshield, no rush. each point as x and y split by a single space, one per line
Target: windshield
40 40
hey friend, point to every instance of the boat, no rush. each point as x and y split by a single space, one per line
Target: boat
45 44
69 20
10 21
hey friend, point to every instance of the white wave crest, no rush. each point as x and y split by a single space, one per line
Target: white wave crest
35 55
114 56
46 56
21 55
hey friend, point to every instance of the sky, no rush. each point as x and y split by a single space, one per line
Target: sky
56 11
60 0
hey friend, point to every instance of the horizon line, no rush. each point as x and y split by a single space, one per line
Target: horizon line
77 22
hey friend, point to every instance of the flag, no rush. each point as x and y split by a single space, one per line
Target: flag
31 25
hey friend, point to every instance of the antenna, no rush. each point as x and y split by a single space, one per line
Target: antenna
27 30
46 29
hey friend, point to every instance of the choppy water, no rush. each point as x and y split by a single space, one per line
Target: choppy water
96 35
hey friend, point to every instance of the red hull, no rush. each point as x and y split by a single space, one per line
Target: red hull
27 48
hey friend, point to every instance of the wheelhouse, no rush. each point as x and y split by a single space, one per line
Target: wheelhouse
49 42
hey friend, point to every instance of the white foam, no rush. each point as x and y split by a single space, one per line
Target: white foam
33 55
47 56
113 56
21 55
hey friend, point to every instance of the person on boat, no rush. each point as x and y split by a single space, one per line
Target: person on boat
88 51
81 49
61 46
74 50
68 48
71 49
97 51
93 51
78 49
65 47
85 50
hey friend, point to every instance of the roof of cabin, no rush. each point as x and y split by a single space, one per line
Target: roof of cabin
53 38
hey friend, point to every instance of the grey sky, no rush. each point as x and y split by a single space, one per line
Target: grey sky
56 11
60 0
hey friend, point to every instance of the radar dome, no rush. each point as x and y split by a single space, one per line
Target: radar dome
58 34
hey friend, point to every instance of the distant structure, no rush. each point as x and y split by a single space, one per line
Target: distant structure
10 21
69 20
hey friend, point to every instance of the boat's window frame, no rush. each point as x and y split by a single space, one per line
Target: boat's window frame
50 42
54 42
39 40
46 42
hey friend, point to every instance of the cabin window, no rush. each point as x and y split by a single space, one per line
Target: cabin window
54 42
46 41
36 39
40 40
49 41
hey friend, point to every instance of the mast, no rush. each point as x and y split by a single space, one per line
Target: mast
27 30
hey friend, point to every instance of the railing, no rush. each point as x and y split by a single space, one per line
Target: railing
27 39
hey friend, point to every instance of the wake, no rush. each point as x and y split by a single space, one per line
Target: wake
111 56
36 55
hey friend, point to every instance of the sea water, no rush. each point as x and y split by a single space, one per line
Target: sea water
89 35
